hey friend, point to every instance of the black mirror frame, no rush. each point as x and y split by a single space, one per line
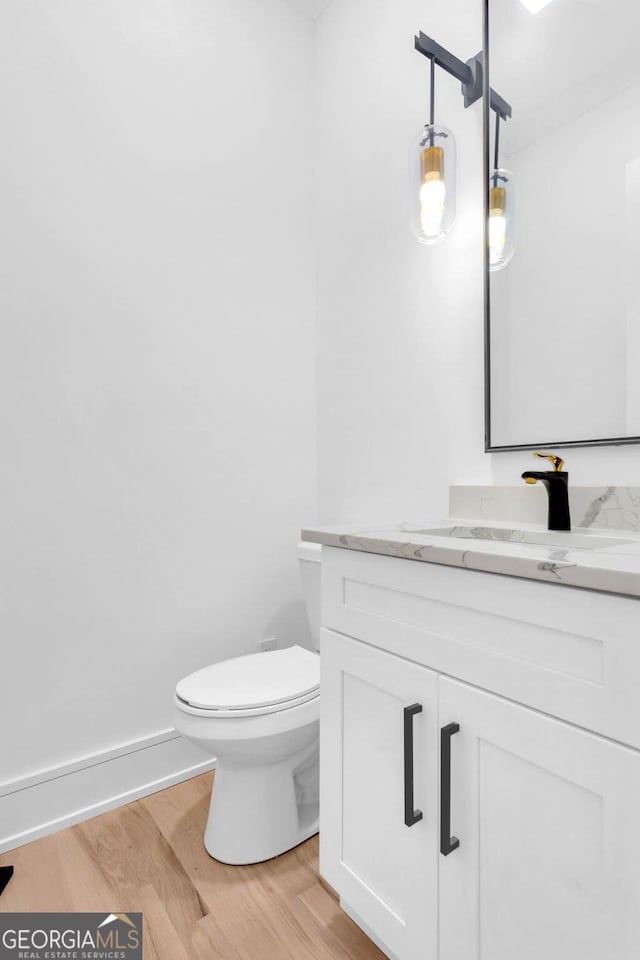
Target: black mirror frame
489 446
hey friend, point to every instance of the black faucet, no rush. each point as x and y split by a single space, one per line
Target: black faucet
556 483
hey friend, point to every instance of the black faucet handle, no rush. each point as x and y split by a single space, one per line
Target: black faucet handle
555 461
556 483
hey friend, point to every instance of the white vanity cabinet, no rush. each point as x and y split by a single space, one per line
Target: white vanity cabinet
546 811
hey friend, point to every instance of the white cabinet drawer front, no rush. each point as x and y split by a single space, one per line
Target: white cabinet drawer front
572 653
576 655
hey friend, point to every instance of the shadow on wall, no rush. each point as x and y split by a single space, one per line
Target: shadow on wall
290 625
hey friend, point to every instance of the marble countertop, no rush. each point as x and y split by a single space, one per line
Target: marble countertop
613 569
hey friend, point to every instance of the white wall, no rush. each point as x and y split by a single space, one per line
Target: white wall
157 364
157 356
400 327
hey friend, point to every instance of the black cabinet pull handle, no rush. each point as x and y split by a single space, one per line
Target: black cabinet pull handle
447 843
411 816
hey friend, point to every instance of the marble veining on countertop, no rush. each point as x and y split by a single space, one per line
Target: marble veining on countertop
603 508
607 558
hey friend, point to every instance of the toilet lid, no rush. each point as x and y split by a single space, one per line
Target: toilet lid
257 680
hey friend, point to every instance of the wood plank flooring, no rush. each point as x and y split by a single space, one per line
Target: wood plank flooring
149 856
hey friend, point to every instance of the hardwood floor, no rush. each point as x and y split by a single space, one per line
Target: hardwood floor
149 856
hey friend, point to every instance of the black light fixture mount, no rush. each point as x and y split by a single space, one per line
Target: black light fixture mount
469 73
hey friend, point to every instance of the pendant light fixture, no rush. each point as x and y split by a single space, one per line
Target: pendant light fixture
502 220
433 177
433 161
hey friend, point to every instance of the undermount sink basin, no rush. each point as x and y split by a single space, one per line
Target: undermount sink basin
550 538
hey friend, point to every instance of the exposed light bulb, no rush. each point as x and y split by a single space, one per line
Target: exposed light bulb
497 237
432 198
534 6
433 193
501 220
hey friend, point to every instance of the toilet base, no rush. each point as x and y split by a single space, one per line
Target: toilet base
260 811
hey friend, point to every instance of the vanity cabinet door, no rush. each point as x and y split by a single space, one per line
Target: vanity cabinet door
378 843
548 821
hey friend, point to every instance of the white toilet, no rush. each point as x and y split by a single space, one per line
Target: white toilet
259 716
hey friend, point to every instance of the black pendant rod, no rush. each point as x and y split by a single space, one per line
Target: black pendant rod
496 152
432 95
432 104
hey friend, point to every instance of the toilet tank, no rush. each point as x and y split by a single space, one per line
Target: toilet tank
309 558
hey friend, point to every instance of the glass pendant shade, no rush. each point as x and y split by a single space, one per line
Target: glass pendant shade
433 184
502 219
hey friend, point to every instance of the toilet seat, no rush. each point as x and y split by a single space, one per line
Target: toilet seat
253 685
238 712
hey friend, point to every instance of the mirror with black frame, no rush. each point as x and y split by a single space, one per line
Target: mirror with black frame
563 236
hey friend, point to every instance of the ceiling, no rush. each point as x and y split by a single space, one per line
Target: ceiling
310 8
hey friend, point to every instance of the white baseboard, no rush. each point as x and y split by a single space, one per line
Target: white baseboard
58 797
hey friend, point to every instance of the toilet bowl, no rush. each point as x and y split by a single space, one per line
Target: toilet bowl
259 716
